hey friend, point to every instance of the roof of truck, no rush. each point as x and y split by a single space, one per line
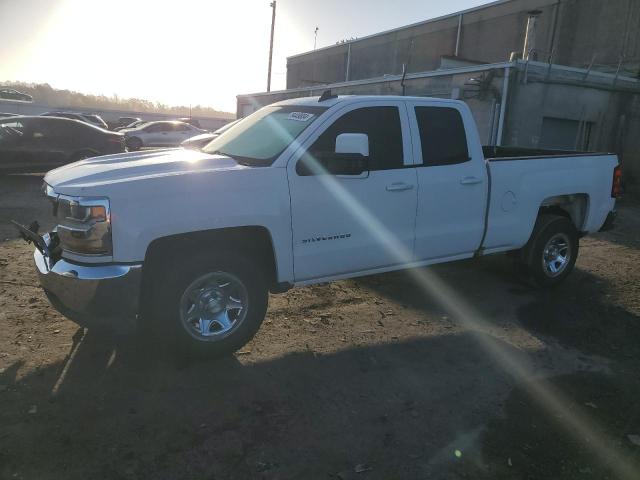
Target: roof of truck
313 101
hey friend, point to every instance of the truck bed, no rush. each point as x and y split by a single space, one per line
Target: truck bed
519 188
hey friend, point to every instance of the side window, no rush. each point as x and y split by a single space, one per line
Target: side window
381 124
155 128
53 132
79 133
39 130
11 132
442 134
180 127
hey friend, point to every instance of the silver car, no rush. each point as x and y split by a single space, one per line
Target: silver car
160 134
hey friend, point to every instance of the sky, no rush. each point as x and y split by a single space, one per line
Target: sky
183 52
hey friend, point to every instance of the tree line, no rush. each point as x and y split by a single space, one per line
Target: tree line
43 93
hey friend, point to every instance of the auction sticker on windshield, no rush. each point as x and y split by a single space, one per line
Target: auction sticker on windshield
300 116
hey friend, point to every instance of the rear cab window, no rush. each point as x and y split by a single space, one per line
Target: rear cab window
442 136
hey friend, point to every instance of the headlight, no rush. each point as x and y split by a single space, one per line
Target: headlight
84 225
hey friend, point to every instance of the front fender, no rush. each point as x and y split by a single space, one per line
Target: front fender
154 208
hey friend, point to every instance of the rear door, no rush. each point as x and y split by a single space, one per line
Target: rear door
352 223
452 181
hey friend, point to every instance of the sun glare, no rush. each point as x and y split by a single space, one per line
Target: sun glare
191 52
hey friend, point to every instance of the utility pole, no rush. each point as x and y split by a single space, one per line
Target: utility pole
315 38
273 24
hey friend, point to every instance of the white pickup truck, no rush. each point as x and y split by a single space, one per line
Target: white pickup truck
190 243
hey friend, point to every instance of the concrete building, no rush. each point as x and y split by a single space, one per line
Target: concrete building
580 98
578 33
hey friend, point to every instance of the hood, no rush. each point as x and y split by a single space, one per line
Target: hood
203 137
72 179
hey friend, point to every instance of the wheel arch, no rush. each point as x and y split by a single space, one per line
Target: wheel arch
256 241
572 206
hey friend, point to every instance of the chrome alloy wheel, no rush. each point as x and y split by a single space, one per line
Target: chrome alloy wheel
213 306
556 255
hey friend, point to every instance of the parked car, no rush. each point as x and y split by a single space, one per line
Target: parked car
7 93
191 121
96 120
37 144
126 121
131 126
5 115
199 141
83 117
160 134
306 191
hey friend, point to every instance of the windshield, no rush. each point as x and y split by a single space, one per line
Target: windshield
261 137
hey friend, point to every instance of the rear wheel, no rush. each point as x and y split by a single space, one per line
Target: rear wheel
134 143
211 305
552 250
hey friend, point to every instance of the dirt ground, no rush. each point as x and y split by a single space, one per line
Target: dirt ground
472 375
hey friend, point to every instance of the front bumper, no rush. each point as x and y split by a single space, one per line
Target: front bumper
105 295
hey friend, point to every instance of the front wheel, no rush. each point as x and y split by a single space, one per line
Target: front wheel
552 251
211 305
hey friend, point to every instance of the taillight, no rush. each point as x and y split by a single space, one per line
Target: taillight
616 189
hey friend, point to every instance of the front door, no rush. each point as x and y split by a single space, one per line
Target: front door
344 224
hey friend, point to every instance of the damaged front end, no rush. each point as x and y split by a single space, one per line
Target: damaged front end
48 244
75 265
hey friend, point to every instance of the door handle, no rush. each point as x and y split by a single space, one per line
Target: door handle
399 187
470 180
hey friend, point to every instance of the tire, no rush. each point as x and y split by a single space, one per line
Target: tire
194 285
552 250
134 144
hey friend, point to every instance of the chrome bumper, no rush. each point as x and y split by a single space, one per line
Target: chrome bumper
92 295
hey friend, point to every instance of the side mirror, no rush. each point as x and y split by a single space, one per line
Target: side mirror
354 143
